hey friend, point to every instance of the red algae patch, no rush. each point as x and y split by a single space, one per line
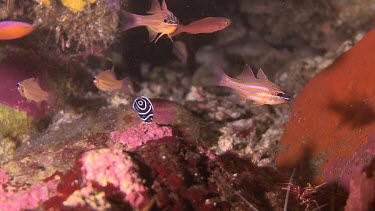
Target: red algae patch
332 117
139 135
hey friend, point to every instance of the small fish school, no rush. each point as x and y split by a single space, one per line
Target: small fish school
161 21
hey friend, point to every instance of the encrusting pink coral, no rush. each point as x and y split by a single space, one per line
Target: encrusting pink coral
30 198
115 169
139 135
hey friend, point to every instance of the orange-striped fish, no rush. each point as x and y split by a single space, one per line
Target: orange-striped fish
10 30
205 25
31 90
160 21
107 81
258 89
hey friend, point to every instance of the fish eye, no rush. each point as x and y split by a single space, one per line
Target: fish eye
18 84
165 20
283 96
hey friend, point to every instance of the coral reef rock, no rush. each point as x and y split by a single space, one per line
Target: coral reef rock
328 134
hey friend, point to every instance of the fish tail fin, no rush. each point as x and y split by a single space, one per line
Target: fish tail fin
219 77
214 77
50 99
127 86
129 20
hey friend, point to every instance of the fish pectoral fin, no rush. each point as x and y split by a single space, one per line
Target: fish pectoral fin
255 104
247 73
151 35
241 98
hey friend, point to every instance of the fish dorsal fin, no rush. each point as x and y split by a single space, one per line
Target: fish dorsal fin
155 7
36 80
112 70
164 6
247 73
261 75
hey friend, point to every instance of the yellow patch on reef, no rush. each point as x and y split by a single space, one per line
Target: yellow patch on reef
76 5
44 3
13 122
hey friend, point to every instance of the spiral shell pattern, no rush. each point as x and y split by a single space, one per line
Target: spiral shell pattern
144 109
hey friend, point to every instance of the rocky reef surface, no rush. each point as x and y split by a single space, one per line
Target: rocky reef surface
204 150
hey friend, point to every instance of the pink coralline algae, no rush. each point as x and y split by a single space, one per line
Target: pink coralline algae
349 167
31 198
139 135
3 177
362 193
114 169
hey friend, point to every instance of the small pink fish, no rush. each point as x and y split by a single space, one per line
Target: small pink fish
107 81
160 20
10 30
31 90
258 89
205 25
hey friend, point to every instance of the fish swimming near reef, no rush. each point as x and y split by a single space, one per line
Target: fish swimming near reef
10 30
257 89
160 21
31 90
144 109
107 81
205 25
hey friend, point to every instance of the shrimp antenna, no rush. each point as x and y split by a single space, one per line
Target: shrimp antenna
288 190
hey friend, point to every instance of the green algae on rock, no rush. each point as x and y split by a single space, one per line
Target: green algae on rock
13 123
